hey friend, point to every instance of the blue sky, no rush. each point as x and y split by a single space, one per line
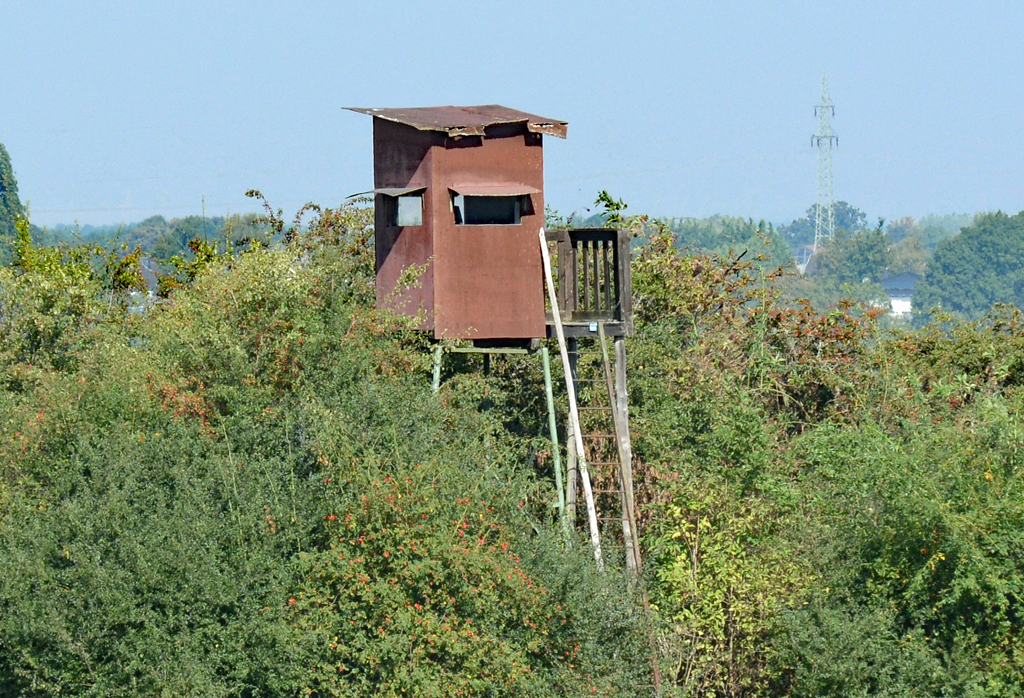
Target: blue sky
114 111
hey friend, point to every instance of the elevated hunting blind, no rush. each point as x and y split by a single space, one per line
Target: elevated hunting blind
459 199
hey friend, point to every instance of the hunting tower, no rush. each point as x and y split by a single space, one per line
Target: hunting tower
459 200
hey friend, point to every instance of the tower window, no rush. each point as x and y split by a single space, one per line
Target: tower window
488 210
491 204
409 210
402 206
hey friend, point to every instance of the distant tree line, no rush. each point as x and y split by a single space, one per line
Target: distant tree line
982 266
967 263
162 239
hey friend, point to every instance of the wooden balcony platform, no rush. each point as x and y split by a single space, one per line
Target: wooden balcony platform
593 281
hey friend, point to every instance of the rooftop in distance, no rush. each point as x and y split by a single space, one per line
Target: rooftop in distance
466 121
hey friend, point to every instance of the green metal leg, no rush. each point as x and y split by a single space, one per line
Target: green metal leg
438 351
553 429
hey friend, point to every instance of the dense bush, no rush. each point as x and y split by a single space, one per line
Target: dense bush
251 490
977 268
176 484
831 510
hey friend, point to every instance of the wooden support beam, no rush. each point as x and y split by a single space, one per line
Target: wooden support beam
626 445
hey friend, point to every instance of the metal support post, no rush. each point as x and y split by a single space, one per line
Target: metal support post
571 461
438 351
553 429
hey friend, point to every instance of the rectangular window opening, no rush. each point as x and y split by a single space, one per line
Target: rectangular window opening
401 207
489 210
409 210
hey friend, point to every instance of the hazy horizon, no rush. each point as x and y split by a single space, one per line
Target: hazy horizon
123 111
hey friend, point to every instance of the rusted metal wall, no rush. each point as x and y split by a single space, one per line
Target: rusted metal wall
402 158
481 281
488 281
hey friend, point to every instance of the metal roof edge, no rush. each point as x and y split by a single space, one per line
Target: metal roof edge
533 122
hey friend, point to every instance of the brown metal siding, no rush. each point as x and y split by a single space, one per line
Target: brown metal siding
466 121
401 157
488 279
481 281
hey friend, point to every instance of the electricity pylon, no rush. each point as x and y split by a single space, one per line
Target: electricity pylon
824 139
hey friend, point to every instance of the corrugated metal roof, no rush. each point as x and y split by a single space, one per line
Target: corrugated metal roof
495 189
466 121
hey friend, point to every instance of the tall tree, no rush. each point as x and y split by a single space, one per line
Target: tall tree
981 266
852 258
801 231
10 205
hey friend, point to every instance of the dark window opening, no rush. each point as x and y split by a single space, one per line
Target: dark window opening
489 210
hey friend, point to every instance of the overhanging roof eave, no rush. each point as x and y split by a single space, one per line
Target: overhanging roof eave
465 121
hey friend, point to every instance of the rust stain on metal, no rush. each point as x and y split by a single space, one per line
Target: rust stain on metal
496 189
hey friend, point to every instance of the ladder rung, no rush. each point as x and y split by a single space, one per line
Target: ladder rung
603 463
593 409
599 436
607 491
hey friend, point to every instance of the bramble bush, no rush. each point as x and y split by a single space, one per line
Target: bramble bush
831 510
420 592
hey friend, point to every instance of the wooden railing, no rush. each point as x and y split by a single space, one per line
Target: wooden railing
594 282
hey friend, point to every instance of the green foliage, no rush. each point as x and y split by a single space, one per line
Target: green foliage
728 236
848 269
724 375
161 239
852 258
829 514
172 486
914 522
801 231
140 561
981 266
935 228
11 210
123 274
909 254
831 649
611 209
50 297
250 489
440 601
52 302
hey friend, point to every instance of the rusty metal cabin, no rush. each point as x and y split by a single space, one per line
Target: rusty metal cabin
459 202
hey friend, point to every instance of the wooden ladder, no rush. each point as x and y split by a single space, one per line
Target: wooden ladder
604 420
